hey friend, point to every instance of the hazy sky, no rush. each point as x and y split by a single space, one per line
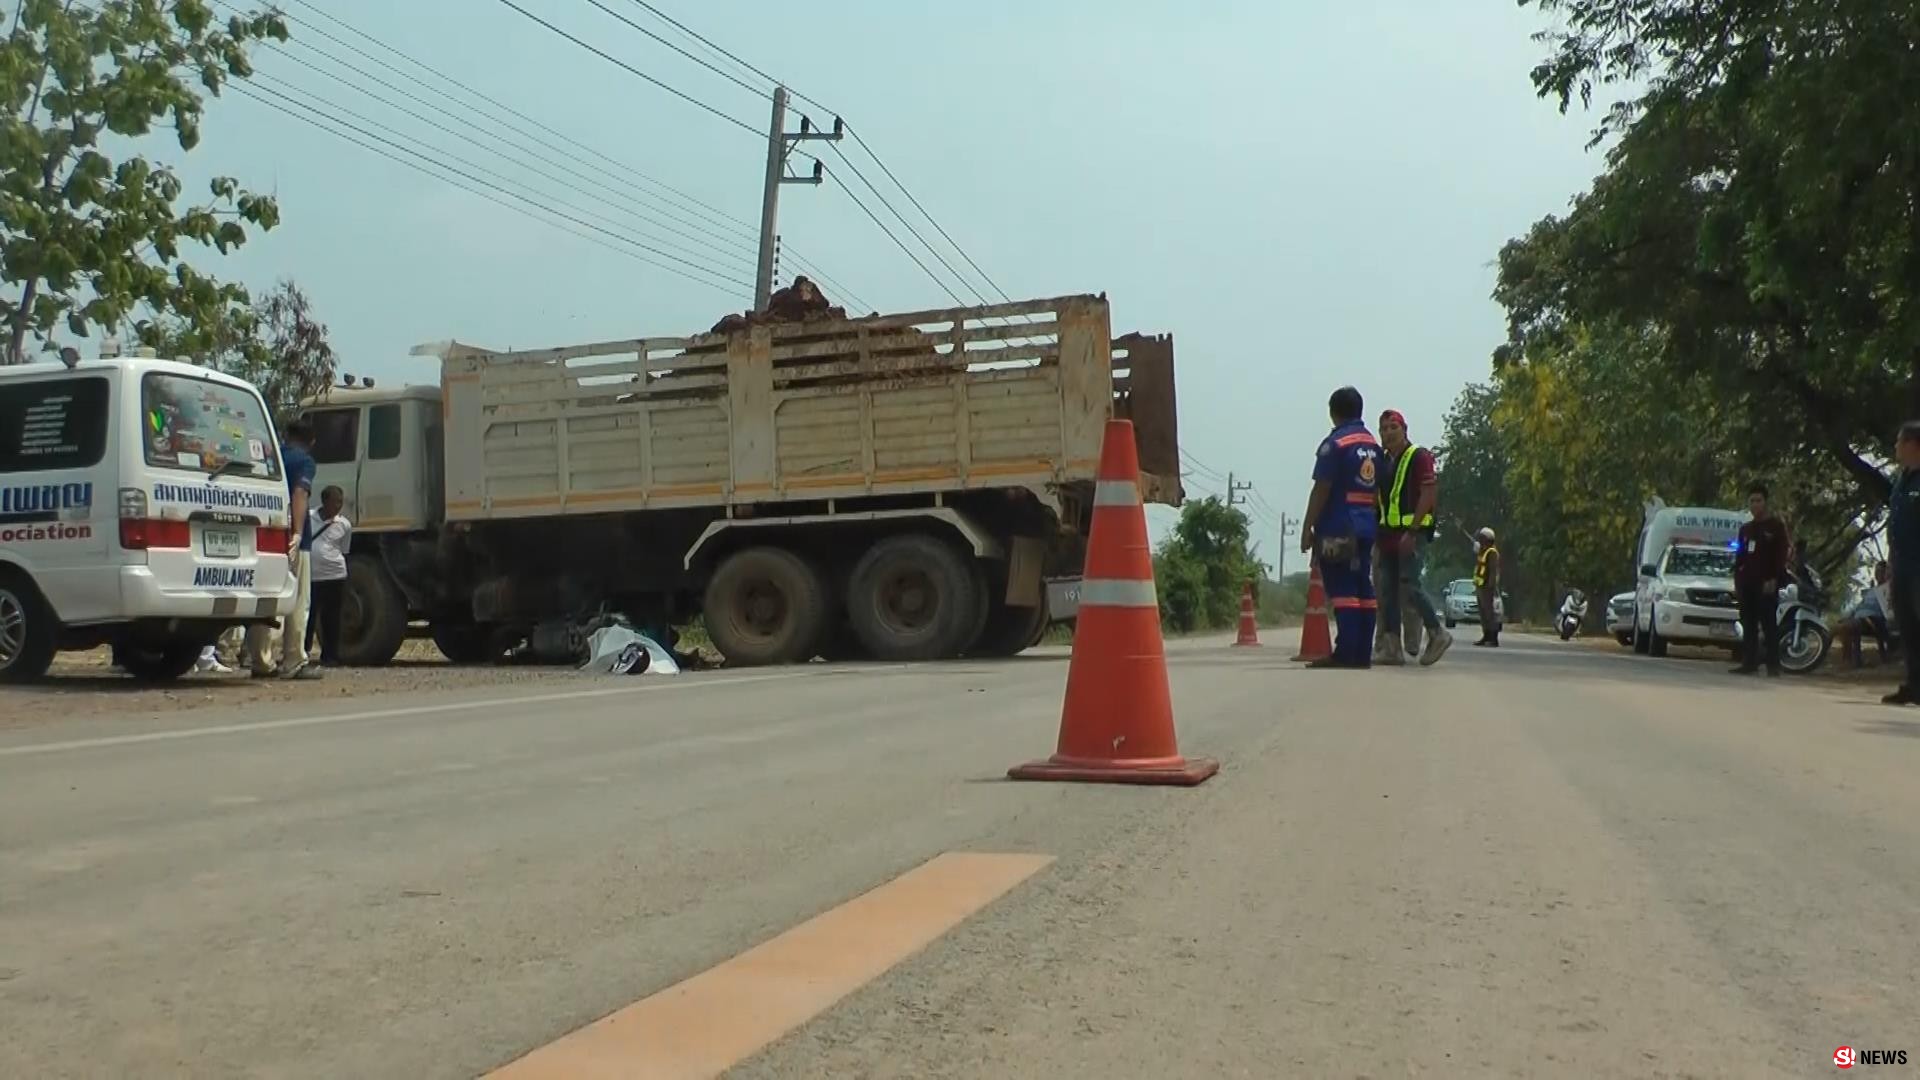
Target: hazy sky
1304 194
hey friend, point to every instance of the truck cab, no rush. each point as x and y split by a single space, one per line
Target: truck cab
382 447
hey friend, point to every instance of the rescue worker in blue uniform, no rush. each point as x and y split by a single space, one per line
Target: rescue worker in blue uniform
1340 531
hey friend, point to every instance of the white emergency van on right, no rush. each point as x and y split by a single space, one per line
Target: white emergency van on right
143 505
1684 594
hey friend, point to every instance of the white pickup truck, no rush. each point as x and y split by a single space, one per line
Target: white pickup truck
1685 592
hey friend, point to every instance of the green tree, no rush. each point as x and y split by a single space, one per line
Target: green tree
278 345
87 239
1203 565
1761 208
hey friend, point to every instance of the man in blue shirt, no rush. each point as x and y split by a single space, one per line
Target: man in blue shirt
1903 543
1340 530
296 456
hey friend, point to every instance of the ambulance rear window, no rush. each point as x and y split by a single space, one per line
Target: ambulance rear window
53 424
202 425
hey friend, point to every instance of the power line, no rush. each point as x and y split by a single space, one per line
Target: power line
723 51
709 220
875 218
708 64
707 211
714 280
296 93
676 92
835 147
430 174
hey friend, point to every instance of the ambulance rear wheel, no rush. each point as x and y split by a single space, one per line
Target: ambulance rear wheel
28 635
165 662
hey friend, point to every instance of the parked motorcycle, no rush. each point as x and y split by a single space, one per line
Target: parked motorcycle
1804 636
1573 612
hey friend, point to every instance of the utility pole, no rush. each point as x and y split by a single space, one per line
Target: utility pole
779 147
1234 496
1289 527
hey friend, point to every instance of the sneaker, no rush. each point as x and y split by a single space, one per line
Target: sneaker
211 665
304 671
1901 696
1391 654
1438 642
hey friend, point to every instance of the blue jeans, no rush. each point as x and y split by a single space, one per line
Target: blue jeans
1399 579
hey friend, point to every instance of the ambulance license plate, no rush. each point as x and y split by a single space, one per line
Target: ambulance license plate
220 543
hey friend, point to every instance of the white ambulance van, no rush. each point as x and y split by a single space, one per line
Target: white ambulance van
142 505
1685 591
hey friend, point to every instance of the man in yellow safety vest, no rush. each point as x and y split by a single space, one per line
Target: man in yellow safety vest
1486 582
1406 498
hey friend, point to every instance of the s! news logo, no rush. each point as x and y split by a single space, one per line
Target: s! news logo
1847 1057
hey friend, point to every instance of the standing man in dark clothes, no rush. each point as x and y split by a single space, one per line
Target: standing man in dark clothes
1758 568
1903 543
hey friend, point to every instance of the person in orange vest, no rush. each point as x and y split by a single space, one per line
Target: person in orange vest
1341 525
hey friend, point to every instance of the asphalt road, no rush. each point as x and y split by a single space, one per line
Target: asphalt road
1550 860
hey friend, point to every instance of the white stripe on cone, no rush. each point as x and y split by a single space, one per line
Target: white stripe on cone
1110 592
1116 493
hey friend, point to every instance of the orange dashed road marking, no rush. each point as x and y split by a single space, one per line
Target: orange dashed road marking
720 1017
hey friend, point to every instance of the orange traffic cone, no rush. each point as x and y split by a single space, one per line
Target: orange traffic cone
1117 725
1316 638
1249 629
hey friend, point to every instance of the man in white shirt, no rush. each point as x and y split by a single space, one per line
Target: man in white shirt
332 540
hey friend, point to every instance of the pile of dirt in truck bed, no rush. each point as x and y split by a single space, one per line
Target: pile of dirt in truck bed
799 302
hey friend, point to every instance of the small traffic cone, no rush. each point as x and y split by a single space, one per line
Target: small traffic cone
1249 629
1316 638
1117 724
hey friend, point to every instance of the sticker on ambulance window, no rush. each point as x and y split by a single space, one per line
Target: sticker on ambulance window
256 450
188 460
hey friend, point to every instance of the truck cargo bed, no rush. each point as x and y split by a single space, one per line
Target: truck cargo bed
1003 396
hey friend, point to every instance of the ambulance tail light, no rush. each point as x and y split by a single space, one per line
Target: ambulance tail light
138 532
146 534
270 540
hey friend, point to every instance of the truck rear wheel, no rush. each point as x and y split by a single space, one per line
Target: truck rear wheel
766 605
913 597
28 634
468 643
1012 630
373 616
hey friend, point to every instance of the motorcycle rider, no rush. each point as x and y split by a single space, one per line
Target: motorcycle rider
1574 609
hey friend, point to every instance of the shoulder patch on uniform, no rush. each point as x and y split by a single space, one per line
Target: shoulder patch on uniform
1325 449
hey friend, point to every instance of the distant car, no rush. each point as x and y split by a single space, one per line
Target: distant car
1461 603
1620 618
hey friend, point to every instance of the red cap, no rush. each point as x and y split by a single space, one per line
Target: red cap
1392 414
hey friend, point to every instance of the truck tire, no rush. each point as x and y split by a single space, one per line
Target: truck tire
159 663
766 605
913 597
28 634
373 616
1012 630
468 642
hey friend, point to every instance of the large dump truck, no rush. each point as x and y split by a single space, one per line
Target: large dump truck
900 487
